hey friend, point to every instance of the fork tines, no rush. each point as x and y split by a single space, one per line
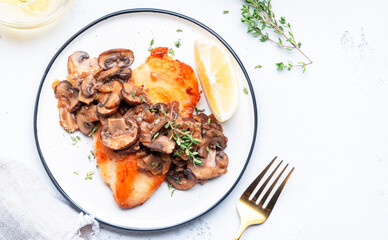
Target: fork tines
248 192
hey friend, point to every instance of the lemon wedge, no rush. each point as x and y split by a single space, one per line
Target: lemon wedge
218 78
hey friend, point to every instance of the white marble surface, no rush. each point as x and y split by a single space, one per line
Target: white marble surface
331 122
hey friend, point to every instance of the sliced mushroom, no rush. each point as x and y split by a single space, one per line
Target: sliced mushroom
211 139
115 73
76 61
155 163
213 165
111 101
86 117
132 94
119 133
66 118
161 144
89 86
181 180
131 149
116 58
65 91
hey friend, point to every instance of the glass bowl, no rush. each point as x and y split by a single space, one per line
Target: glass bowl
26 14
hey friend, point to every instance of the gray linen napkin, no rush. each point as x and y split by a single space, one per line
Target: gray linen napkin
28 211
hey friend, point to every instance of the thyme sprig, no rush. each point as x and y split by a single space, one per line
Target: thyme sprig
184 139
260 18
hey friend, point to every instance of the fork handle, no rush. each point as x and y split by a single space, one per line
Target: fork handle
242 228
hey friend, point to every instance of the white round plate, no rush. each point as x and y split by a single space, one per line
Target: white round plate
67 164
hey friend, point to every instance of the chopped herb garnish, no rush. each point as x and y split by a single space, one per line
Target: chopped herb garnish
208 149
209 120
93 131
142 98
89 157
74 140
78 138
151 109
169 186
171 51
150 47
178 182
197 110
156 135
76 173
179 30
245 91
218 145
152 164
133 93
258 66
178 43
91 151
89 175
183 138
172 192
225 12
217 134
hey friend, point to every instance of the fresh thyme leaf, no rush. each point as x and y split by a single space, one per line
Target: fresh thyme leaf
178 43
142 98
209 120
150 48
169 186
152 164
208 149
179 30
74 140
89 175
78 138
89 157
91 152
172 192
197 110
260 20
93 131
225 12
280 66
76 173
156 135
134 93
245 90
178 182
258 66
171 51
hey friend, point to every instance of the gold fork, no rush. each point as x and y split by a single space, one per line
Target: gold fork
252 213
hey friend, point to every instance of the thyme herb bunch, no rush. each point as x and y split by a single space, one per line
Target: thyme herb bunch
184 139
260 18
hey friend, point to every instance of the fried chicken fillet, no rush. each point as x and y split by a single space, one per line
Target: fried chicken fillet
163 79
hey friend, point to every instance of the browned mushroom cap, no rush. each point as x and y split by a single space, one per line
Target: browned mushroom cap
155 163
86 117
132 94
115 73
79 62
161 144
211 139
65 91
66 118
181 180
213 165
89 86
111 101
116 58
119 133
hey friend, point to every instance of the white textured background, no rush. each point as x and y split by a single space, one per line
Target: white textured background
331 122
